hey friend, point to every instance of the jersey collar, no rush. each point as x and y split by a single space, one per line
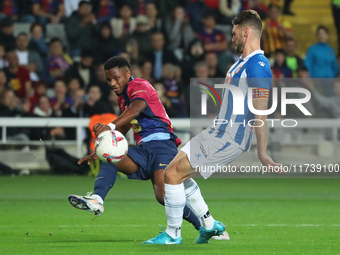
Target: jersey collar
252 54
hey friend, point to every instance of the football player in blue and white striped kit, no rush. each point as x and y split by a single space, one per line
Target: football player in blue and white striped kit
222 143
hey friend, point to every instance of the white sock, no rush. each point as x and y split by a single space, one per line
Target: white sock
174 203
196 203
97 197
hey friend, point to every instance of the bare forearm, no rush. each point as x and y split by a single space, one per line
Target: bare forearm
261 134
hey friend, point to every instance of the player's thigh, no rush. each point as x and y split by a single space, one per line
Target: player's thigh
179 169
127 166
158 185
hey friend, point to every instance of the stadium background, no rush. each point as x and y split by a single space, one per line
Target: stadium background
47 103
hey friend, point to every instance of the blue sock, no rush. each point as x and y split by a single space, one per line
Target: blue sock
189 216
105 179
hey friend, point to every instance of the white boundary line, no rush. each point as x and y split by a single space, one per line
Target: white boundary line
186 225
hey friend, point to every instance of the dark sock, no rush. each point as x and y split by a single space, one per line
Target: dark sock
189 216
105 179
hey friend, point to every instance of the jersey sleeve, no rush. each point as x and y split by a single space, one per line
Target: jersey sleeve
140 91
259 77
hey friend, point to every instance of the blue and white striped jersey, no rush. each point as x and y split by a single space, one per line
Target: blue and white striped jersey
252 71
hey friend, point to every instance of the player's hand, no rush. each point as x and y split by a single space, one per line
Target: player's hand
89 158
99 128
271 165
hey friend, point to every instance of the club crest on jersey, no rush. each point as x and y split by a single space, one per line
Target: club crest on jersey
238 69
228 78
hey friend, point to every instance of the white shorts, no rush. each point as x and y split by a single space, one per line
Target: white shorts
208 154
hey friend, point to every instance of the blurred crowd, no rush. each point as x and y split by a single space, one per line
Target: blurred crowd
54 68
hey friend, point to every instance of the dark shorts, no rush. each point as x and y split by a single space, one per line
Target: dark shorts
151 156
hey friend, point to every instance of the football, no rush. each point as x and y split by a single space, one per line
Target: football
111 146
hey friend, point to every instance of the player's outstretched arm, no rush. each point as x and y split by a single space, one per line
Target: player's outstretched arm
135 108
262 134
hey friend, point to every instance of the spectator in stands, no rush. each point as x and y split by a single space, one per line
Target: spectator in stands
48 11
3 60
159 56
142 35
155 24
37 42
336 17
72 86
83 70
138 7
101 82
106 45
258 6
9 107
40 89
280 68
125 25
58 61
80 28
329 103
113 102
212 61
132 49
9 9
18 77
94 105
292 59
161 91
3 81
104 10
178 31
320 58
167 6
275 30
126 55
195 12
6 34
43 109
76 110
61 99
171 79
28 59
137 72
213 39
146 69
194 54
228 12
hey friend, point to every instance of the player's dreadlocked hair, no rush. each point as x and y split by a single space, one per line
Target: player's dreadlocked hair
249 18
117 61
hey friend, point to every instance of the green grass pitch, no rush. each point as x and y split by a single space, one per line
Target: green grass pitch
262 216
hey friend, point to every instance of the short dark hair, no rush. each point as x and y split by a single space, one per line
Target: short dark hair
117 61
248 17
87 52
302 69
83 2
209 14
22 34
33 26
321 27
55 39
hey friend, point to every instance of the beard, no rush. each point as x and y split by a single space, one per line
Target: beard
239 48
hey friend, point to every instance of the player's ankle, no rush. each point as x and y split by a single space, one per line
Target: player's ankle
174 232
98 198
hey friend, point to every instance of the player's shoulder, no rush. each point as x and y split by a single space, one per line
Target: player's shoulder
258 66
258 62
138 83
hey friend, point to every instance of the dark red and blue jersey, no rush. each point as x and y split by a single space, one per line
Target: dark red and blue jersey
49 6
152 123
215 36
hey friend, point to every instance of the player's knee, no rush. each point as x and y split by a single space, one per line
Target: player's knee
171 173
